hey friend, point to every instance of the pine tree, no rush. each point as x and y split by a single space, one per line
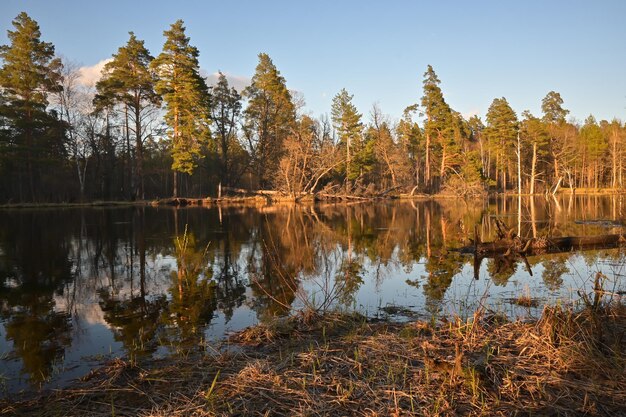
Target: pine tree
501 131
552 108
187 99
554 117
438 124
33 137
477 136
593 146
225 111
411 142
269 118
128 85
347 123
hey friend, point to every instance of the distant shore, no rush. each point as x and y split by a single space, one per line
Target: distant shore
267 197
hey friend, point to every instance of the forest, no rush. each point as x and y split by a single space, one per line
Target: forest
152 127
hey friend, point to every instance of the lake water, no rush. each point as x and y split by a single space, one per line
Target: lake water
80 286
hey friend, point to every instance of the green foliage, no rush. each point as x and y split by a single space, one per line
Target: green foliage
437 111
363 160
502 127
501 133
409 134
348 126
552 108
269 118
594 143
346 119
349 279
31 137
476 127
127 78
533 131
186 98
272 149
225 112
193 300
127 84
442 128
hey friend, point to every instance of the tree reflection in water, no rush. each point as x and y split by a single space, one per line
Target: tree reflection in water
132 271
192 303
28 286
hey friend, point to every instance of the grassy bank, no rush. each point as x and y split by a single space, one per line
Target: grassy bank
566 363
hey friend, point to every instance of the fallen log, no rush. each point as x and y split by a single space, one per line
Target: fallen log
508 248
535 246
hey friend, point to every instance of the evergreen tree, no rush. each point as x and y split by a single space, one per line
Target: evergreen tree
347 124
593 145
554 117
477 136
501 131
411 143
31 137
552 108
187 99
437 127
128 83
225 111
269 118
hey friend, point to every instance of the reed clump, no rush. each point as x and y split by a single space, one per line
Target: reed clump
568 362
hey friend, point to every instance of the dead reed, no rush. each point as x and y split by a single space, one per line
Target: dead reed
569 363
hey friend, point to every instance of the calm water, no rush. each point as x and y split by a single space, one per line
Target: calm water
79 286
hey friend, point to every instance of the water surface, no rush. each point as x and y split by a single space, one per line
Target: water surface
80 286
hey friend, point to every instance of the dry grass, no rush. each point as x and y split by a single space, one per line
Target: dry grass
567 363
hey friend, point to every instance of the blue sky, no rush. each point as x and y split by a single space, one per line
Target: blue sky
480 49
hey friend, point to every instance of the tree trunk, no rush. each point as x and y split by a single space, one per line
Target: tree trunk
614 157
533 170
427 166
519 165
442 168
130 162
139 144
174 139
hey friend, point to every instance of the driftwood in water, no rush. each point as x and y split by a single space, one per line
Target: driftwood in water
535 246
508 243
509 247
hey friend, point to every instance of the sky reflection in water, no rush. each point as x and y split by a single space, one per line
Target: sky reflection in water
80 286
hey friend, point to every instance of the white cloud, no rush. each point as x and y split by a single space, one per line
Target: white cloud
237 81
89 76
467 115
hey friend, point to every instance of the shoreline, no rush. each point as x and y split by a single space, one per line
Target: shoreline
257 200
565 362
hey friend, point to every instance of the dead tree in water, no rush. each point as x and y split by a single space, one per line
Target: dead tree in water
509 247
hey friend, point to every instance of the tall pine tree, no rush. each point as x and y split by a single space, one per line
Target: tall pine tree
554 117
225 111
438 124
187 99
501 132
269 118
348 125
128 85
32 137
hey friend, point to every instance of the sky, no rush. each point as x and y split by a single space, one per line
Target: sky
377 50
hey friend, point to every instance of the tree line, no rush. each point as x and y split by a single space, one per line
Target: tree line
153 127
